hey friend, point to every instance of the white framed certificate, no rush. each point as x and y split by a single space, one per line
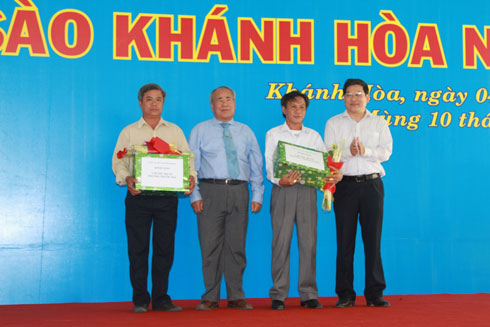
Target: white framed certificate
162 172
304 157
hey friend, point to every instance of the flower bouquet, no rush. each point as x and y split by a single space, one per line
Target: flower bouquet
333 162
155 145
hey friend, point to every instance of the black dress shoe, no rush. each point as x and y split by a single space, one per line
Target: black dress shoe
167 307
311 304
378 302
345 303
278 305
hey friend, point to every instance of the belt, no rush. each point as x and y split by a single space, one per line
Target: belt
361 178
222 181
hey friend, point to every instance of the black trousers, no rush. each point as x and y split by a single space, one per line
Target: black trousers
363 201
141 212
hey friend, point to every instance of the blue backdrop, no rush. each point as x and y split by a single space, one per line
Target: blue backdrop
65 98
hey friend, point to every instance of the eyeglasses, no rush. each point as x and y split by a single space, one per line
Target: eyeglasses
357 94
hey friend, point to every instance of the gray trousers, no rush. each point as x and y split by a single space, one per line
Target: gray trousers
222 228
290 205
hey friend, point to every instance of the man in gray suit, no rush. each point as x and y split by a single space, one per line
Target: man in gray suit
227 158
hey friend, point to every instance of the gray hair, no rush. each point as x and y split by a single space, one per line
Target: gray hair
219 88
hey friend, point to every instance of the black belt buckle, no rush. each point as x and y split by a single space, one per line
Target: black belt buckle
362 178
227 181
369 177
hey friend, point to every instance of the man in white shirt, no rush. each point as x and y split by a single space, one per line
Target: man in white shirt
360 194
292 203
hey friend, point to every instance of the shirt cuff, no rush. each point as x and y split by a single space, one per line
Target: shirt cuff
121 178
195 195
257 198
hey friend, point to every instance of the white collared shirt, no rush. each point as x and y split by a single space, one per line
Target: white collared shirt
306 137
372 131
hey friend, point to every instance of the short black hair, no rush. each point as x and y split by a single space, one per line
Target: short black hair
148 87
356 81
291 95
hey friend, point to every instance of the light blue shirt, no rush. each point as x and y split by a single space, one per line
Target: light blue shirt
206 142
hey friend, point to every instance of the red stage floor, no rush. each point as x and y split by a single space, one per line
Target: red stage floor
445 310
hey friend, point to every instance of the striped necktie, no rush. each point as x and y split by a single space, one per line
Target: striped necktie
231 157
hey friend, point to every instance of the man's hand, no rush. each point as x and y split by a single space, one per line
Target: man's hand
356 147
192 181
130 181
197 206
290 178
256 206
334 177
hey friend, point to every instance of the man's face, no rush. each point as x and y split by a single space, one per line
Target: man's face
295 111
223 105
152 104
355 100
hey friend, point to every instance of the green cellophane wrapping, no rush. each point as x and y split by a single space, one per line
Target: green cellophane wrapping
309 176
